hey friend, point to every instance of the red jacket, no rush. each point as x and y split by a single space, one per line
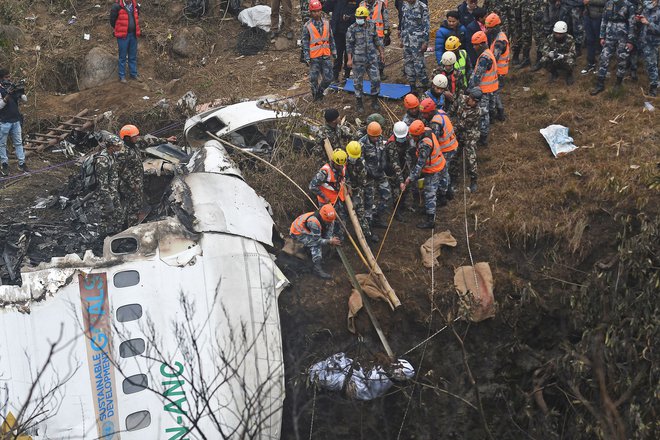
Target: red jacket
121 24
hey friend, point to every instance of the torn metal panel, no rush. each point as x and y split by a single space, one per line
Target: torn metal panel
213 158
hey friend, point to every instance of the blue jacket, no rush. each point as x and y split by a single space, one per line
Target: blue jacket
343 14
464 14
472 29
443 33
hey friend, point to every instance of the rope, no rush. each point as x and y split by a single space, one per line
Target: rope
40 170
311 424
467 234
389 224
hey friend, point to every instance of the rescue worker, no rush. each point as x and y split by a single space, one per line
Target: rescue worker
337 134
342 17
467 128
379 14
373 152
501 50
572 13
411 104
131 174
484 77
398 148
616 35
365 49
438 121
649 41
313 230
377 117
593 14
437 91
506 9
318 50
328 186
456 82
356 178
415 22
462 62
431 165
558 53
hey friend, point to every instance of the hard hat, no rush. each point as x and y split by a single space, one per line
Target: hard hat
475 93
479 38
410 101
362 12
374 129
339 156
448 59
440 81
417 128
400 130
492 20
560 27
427 105
315 5
328 213
376 117
354 149
452 43
128 130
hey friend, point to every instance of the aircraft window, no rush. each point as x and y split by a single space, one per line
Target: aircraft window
129 312
138 420
124 245
135 383
126 278
131 348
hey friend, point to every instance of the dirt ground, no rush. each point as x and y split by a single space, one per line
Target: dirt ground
542 223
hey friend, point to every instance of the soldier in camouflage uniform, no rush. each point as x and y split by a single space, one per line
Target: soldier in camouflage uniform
364 48
328 185
400 152
616 35
529 23
375 159
337 134
571 12
649 41
314 230
382 22
558 53
467 127
506 9
415 22
484 77
319 49
356 178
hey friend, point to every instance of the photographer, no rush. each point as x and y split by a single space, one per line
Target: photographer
10 121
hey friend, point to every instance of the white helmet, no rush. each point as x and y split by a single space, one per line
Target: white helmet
400 130
448 58
440 81
560 27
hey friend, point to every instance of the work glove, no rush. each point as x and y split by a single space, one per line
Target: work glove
551 54
559 57
387 40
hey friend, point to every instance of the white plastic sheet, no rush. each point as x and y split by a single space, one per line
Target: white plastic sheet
558 139
256 16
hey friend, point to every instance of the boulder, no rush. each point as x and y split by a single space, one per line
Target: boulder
188 42
99 67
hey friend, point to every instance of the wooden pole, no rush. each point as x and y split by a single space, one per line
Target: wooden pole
366 250
52 141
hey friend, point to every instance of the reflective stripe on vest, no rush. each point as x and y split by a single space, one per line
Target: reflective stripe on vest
299 225
331 188
436 161
377 17
489 83
461 64
319 44
503 62
448 140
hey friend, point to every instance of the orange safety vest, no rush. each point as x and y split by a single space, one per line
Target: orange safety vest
332 188
448 140
319 44
299 225
436 161
377 16
489 83
503 62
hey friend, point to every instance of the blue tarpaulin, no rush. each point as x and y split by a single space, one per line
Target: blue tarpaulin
387 90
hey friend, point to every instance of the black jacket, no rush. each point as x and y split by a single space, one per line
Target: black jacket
343 14
10 112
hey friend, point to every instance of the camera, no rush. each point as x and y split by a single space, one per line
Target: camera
15 89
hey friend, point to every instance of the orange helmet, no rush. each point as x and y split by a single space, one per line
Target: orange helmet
128 130
427 105
374 129
410 101
417 128
492 20
328 213
479 38
315 5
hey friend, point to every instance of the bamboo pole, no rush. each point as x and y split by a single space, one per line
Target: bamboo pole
366 250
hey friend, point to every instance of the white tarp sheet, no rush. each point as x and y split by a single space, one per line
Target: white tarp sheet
256 16
558 139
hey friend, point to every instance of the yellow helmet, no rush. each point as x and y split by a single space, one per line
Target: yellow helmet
354 149
362 12
339 157
452 43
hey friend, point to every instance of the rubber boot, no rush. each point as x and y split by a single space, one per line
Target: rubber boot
569 78
525 62
450 193
501 116
377 222
429 223
515 60
619 83
374 103
653 90
473 185
600 86
319 272
538 66
359 104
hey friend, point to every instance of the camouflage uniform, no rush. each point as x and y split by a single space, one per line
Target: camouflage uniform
375 161
467 128
649 41
415 34
356 177
487 104
409 119
433 183
320 67
338 136
506 9
439 130
316 238
521 33
314 186
572 12
304 11
400 156
617 29
558 55
362 43
101 177
457 85
386 23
